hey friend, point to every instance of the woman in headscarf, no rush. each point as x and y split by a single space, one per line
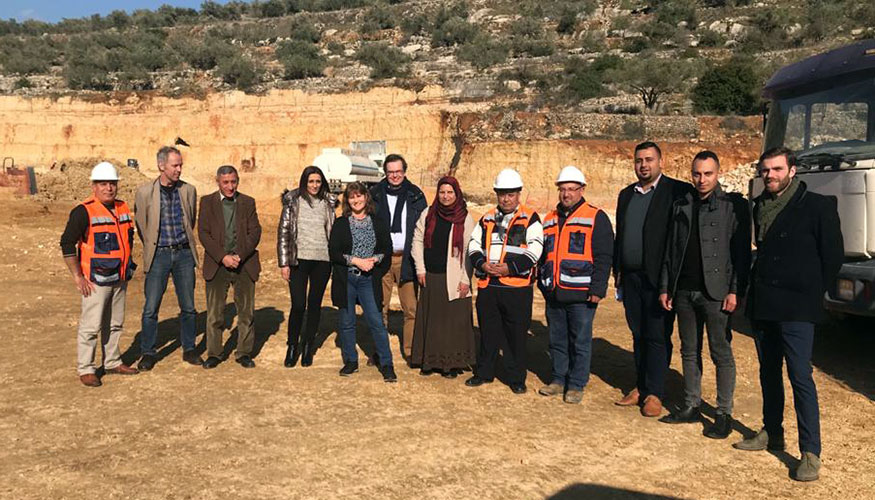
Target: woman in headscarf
443 338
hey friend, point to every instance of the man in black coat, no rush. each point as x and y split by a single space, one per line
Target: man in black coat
707 260
399 203
799 253
643 212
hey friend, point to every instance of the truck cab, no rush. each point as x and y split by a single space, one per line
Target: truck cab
823 108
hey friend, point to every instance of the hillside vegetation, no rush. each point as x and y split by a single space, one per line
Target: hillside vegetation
615 56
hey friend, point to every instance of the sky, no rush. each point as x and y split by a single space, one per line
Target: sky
55 10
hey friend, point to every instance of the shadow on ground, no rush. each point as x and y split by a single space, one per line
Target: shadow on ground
588 491
267 322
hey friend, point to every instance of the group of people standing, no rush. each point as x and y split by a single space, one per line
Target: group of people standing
680 249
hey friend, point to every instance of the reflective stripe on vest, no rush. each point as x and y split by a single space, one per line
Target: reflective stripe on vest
568 260
521 220
105 254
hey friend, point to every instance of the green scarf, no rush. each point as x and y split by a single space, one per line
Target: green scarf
770 206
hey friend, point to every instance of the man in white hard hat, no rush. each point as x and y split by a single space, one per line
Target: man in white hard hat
504 249
573 276
97 245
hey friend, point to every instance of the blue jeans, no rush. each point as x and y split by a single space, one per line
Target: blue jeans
360 288
570 342
792 341
179 264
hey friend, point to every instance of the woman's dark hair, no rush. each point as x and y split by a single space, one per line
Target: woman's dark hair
302 185
357 188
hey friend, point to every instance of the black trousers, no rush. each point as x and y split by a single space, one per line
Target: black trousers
314 273
504 315
651 327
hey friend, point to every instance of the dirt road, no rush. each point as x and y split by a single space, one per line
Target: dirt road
184 432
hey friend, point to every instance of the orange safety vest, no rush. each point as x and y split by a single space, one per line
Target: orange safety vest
514 242
105 253
568 260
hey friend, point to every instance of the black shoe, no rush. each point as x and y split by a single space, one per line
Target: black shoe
450 374
146 363
372 360
388 373
292 353
307 354
349 368
476 381
518 388
211 362
686 415
721 428
246 362
192 357
426 373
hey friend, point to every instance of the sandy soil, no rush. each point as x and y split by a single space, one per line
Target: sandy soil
184 432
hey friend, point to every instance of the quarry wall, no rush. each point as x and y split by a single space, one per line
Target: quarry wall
282 131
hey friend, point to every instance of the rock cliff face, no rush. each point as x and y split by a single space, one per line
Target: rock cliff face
281 132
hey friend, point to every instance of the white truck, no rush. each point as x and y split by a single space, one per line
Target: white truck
361 162
823 108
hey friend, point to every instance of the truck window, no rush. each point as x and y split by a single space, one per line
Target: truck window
838 122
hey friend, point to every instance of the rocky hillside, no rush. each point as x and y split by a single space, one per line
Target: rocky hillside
609 56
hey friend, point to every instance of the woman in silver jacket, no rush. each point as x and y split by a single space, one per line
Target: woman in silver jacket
302 254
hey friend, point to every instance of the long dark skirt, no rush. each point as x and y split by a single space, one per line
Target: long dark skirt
443 338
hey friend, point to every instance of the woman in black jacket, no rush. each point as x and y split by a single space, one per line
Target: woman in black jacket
360 249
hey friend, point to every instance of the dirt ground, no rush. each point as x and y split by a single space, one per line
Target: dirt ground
271 432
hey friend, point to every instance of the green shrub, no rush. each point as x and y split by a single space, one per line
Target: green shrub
416 24
483 51
240 71
674 11
230 11
271 8
526 35
606 62
727 88
385 61
27 57
567 21
304 29
206 55
22 83
455 31
300 59
710 38
378 17
636 44
335 47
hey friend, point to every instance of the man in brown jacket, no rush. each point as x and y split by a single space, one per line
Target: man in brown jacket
229 231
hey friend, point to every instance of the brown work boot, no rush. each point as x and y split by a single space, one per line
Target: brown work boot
90 380
630 399
553 389
123 370
652 406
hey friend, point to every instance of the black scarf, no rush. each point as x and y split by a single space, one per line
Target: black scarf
401 192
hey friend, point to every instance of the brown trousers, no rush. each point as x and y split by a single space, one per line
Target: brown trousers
244 300
407 296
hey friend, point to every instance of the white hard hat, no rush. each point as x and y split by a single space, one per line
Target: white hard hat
508 179
104 171
571 174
